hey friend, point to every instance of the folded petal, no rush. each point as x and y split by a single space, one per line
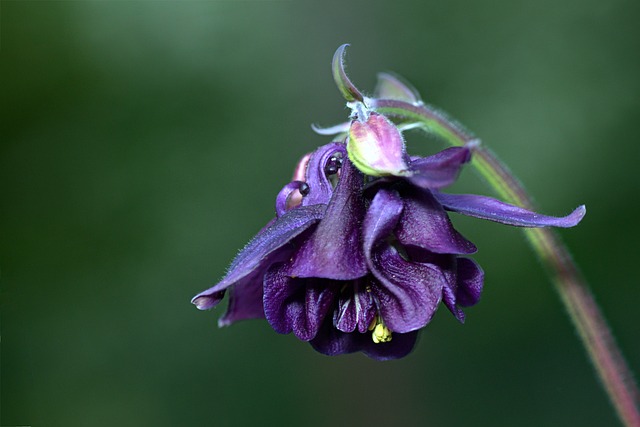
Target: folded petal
409 292
439 170
494 210
447 263
425 224
470 282
267 247
320 188
333 342
334 250
356 308
296 305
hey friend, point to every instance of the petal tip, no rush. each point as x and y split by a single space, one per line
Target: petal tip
578 214
205 302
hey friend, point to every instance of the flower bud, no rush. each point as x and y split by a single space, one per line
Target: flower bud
376 147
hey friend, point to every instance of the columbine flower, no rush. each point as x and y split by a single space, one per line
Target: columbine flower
362 252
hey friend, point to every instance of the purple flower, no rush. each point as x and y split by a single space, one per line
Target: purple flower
362 252
360 262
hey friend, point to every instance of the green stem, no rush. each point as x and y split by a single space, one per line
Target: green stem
572 287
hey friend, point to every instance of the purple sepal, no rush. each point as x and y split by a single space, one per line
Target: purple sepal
439 170
296 305
334 250
247 269
425 224
494 210
332 342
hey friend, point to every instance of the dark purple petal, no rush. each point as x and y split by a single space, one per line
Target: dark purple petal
494 210
447 263
267 247
333 342
383 215
400 346
441 169
334 250
408 293
425 224
470 282
320 188
298 305
356 308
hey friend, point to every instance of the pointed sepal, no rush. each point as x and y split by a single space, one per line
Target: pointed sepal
348 89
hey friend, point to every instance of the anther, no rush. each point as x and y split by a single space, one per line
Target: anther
380 333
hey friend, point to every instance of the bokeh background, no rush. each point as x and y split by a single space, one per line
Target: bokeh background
143 144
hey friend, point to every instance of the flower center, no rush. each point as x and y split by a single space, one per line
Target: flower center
380 332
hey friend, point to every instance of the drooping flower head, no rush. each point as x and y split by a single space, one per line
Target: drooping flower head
361 251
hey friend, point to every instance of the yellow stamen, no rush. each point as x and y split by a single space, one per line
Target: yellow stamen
380 331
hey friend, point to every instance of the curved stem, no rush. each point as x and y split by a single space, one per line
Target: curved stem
572 287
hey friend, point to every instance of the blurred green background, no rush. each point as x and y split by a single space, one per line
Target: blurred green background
143 144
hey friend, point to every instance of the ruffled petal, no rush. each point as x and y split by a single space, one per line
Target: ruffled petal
320 188
425 224
296 305
470 282
333 342
494 210
356 308
247 269
447 263
441 169
408 293
334 250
